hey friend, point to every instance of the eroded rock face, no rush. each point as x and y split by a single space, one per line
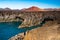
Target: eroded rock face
31 20
49 31
37 18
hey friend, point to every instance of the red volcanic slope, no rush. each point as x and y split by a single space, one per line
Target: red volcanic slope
33 8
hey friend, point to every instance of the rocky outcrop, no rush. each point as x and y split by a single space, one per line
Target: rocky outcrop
19 36
49 31
35 18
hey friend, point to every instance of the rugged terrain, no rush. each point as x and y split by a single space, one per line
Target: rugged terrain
49 31
31 17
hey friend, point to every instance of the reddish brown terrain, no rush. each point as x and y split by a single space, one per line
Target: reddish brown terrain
33 8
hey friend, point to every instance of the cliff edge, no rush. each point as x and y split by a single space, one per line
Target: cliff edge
49 31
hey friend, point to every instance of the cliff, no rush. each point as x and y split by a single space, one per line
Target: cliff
29 17
35 18
49 31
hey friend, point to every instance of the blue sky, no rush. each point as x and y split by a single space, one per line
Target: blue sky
19 4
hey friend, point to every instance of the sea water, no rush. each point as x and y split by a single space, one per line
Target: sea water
9 29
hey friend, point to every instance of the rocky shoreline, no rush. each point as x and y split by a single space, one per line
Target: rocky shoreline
19 36
48 31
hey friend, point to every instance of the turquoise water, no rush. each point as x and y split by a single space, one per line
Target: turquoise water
9 29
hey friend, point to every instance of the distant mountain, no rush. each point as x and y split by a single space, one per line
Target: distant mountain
7 9
1 8
33 8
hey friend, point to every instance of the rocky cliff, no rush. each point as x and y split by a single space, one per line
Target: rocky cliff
29 17
49 31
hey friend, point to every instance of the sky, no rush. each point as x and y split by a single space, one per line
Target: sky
19 4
